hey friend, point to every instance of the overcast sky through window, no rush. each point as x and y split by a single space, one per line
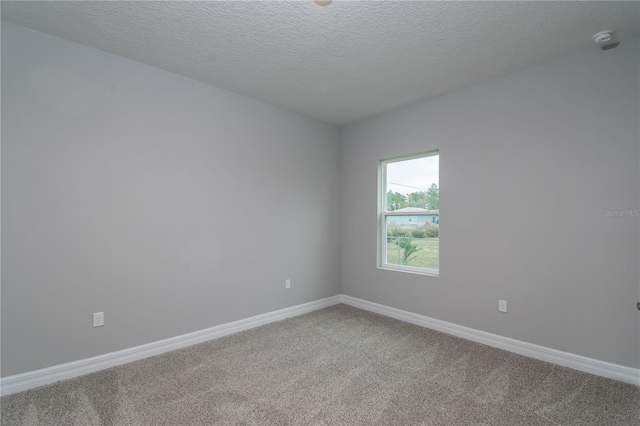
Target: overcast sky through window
415 175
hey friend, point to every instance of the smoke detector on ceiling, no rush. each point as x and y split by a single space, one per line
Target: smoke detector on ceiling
606 40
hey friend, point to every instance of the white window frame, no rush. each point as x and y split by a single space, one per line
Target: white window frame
383 214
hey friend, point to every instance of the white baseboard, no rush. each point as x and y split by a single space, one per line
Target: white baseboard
33 379
566 359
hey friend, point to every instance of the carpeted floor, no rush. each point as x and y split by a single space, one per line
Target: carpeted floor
338 366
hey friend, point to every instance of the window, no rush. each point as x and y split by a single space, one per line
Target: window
409 218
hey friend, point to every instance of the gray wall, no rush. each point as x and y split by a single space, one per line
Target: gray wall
529 164
119 179
168 204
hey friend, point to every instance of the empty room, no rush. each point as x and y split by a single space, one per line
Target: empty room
320 212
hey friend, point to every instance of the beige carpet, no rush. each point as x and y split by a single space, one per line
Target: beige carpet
337 366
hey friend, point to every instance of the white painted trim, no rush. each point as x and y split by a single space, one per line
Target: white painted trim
566 359
32 379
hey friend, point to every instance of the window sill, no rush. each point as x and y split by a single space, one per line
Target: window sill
410 270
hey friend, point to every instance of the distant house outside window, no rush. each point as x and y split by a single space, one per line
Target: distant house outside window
409 218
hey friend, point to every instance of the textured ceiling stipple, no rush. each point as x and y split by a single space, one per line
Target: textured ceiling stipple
339 63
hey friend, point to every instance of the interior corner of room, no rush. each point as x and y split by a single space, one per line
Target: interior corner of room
166 207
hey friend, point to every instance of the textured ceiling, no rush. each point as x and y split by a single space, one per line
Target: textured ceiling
340 63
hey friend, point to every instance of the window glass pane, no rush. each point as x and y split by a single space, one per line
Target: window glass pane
410 218
413 183
412 240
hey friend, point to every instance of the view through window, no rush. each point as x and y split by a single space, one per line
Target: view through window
410 213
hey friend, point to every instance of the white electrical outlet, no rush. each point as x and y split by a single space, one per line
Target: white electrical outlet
98 319
287 284
502 305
